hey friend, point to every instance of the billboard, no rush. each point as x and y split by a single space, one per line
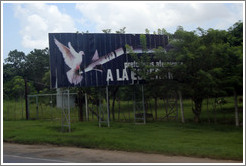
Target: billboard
96 59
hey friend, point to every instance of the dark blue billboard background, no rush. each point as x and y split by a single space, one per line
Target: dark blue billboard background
95 59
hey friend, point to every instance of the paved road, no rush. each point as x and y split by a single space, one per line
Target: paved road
17 153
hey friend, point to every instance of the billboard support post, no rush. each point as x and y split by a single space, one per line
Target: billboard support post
65 115
108 113
104 115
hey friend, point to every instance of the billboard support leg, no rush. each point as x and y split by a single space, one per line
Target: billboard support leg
65 115
108 113
102 110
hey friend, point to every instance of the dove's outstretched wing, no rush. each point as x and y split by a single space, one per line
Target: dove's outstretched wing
66 52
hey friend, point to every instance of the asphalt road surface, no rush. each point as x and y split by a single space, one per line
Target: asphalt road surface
18 153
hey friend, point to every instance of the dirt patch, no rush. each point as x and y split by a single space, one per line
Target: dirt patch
83 155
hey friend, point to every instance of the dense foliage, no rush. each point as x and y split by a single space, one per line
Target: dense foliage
201 64
32 67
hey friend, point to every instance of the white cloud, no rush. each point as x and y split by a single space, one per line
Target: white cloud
136 16
39 19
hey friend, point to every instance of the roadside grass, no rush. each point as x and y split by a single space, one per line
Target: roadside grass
164 137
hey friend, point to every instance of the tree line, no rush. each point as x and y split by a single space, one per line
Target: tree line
209 63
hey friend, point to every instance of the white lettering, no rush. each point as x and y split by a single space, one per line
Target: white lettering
125 75
109 75
118 75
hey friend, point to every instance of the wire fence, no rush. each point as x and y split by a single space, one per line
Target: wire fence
49 107
42 107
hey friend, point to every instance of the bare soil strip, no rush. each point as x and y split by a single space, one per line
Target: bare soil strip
82 155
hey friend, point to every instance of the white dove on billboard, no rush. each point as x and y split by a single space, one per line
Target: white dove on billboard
73 60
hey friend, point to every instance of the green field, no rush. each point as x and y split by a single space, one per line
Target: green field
215 137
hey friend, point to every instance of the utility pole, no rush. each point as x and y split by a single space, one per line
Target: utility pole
26 99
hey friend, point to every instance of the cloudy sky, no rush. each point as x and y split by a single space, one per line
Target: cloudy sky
26 25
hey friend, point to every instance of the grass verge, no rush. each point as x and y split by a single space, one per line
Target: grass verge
171 138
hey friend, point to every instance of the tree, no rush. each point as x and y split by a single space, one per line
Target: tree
8 72
147 31
233 70
106 30
15 87
15 64
182 69
37 64
122 30
31 67
13 71
202 60
236 34
197 63
167 83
